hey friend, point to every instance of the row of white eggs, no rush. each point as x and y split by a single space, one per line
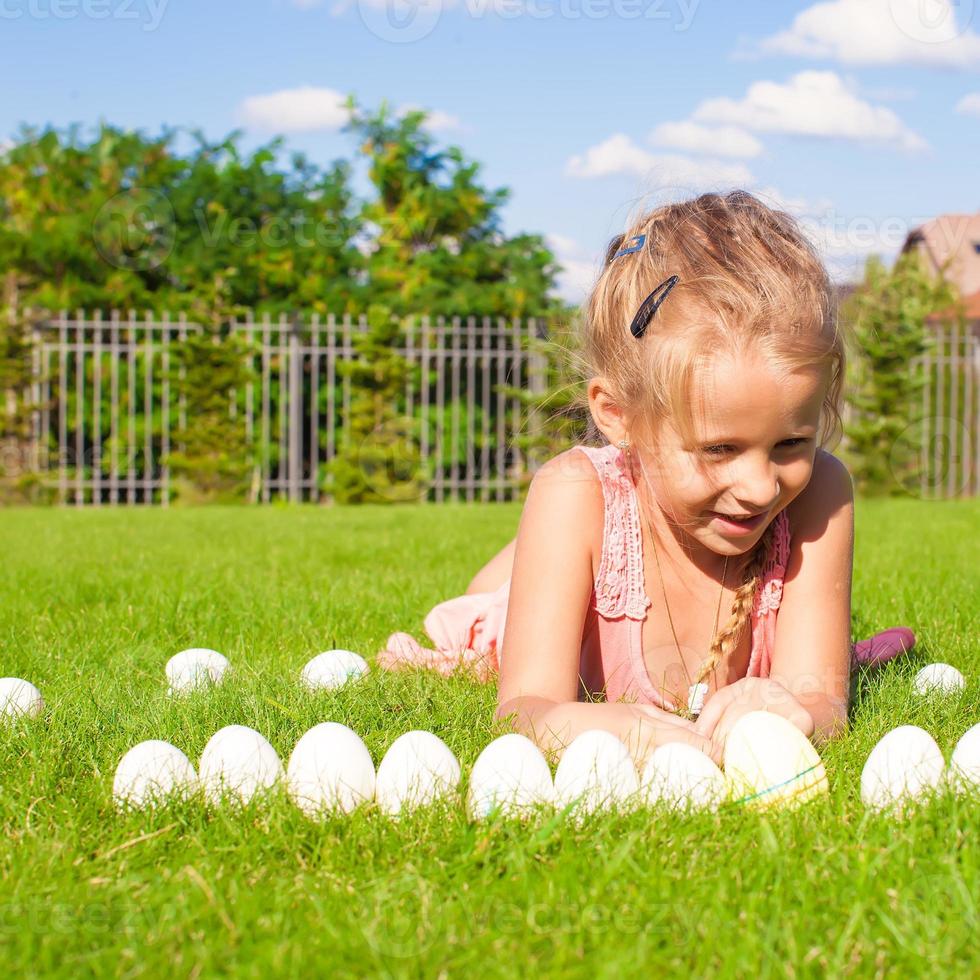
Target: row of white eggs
907 764
194 668
768 761
201 667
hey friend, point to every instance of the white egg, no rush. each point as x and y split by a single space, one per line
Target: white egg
770 763
905 764
197 667
332 669
938 677
683 777
595 771
964 764
19 697
330 769
237 762
151 773
511 774
417 768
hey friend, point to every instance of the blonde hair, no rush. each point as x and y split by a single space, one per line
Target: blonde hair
749 283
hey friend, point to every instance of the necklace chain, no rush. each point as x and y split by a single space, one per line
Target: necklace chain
670 620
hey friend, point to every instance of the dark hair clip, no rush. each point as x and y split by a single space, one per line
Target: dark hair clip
650 306
636 243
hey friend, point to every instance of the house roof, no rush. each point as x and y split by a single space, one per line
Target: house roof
971 305
954 237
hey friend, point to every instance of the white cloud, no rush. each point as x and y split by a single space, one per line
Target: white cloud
579 270
723 141
880 32
296 110
620 155
310 109
811 103
436 121
970 104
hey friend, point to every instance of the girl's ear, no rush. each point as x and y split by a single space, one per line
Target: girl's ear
608 417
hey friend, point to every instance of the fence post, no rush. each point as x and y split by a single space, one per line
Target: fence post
295 410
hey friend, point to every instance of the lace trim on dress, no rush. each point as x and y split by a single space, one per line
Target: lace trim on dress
770 594
618 588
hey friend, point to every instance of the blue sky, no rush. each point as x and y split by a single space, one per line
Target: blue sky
861 117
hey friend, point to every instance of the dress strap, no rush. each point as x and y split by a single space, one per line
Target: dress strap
770 592
619 581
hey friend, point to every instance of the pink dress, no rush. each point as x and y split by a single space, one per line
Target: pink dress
469 630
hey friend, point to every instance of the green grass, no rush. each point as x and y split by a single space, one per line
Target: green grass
93 603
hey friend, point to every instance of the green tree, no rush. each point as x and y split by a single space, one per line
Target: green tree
887 315
433 233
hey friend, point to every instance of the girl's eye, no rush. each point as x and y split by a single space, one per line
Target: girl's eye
720 450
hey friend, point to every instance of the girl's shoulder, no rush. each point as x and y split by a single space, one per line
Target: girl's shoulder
581 472
829 480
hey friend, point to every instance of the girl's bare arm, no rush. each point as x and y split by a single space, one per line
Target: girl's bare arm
495 572
551 584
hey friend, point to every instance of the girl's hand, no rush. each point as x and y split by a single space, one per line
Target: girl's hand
750 694
652 727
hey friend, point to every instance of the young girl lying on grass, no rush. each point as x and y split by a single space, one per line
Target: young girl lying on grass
715 368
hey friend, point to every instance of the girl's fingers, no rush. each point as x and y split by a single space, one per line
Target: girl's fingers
713 710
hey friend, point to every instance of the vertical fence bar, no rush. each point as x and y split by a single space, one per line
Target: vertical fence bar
924 462
248 330
46 403
315 408
441 351
79 408
34 456
295 412
970 381
148 476
266 467
181 380
409 322
502 355
97 409
470 457
131 408
63 407
954 406
518 427
165 412
331 383
347 354
114 356
486 365
424 401
454 372
282 339
940 429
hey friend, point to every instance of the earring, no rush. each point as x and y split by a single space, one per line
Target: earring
624 444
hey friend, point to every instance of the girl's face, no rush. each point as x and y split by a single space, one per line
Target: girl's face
753 454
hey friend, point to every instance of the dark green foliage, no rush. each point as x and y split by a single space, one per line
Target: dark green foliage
213 461
378 460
